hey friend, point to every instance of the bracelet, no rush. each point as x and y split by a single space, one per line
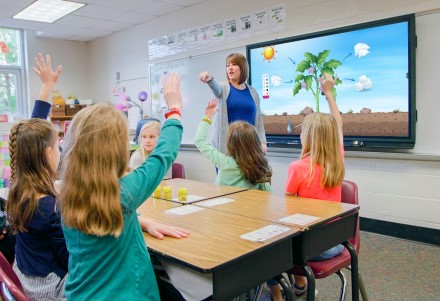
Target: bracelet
207 120
172 111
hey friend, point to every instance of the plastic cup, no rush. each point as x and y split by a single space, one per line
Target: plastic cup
157 192
182 194
167 193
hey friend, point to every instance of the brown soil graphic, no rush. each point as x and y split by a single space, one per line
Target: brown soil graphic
356 124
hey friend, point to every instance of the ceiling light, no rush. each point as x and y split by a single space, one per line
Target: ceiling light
48 10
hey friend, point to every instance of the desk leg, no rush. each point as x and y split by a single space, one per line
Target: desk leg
310 281
354 271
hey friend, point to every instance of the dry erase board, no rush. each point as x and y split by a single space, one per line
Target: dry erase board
195 94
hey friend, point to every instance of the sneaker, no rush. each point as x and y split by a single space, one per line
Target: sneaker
302 293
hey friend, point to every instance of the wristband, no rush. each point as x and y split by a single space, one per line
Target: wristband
207 120
172 111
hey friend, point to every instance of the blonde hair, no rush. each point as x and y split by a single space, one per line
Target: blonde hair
95 157
240 60
150 124
320 138
31 172
244 146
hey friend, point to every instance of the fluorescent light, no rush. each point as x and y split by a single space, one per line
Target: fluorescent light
48 10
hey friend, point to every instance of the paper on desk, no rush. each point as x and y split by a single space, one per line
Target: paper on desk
183 210
190 198
299 219
263 234
193 286
215 202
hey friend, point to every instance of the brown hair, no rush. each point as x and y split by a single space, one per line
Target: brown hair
31 173
95 157
320 139
240 60
244 146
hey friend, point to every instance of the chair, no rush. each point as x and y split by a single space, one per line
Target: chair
322 269
11 288
178 171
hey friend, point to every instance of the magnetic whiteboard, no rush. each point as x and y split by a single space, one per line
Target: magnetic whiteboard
195 94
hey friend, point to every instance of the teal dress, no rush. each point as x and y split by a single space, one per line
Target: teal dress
109 268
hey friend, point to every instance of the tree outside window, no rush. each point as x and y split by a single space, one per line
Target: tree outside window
11 73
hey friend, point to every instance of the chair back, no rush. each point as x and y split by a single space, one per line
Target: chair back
11 288
178 171
349 195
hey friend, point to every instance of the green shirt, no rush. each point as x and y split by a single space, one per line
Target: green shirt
109 268
228 171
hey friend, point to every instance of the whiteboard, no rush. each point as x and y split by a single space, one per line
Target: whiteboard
195 95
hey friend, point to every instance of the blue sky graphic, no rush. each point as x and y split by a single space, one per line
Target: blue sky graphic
386 65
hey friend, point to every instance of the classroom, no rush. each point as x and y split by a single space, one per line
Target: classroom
114 50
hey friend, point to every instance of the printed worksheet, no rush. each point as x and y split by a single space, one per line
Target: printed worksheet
183 210
263 234
215 202
299 219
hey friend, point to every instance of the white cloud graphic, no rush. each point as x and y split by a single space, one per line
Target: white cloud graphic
364 83
361 49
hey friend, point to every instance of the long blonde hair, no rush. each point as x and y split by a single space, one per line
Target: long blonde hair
150 124
320 139
31 173
244 146
95 157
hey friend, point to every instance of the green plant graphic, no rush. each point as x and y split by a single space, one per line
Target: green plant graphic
310 70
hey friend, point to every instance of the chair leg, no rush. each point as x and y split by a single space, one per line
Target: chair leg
258 292
355 271
310 281
287 288
343 286
362 289
361 286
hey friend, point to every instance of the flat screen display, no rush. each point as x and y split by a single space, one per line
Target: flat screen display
374 67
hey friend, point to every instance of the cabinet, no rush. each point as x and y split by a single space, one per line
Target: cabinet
62 115
60 123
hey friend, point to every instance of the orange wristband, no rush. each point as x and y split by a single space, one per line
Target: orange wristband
172 111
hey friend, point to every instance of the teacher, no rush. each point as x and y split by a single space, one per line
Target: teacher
238 101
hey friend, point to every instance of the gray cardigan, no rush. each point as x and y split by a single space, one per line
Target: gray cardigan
221 91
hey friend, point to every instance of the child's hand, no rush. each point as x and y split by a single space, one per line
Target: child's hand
211 108
327 83
44 70
158 230
205 77
171 90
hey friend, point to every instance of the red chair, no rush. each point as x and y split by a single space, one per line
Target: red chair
322 269
11 288
178 171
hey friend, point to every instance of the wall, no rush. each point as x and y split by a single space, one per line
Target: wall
393 187
73 56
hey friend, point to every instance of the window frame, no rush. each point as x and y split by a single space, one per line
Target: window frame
20 72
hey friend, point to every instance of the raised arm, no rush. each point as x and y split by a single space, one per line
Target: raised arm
48 77
327 84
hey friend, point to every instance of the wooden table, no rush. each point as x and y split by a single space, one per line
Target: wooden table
214 246
272 207
336 224
202 189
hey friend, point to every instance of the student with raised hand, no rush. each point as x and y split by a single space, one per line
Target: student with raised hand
244 164
41 255
320 171
108 256
238 101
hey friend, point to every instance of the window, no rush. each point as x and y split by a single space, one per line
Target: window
12 102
